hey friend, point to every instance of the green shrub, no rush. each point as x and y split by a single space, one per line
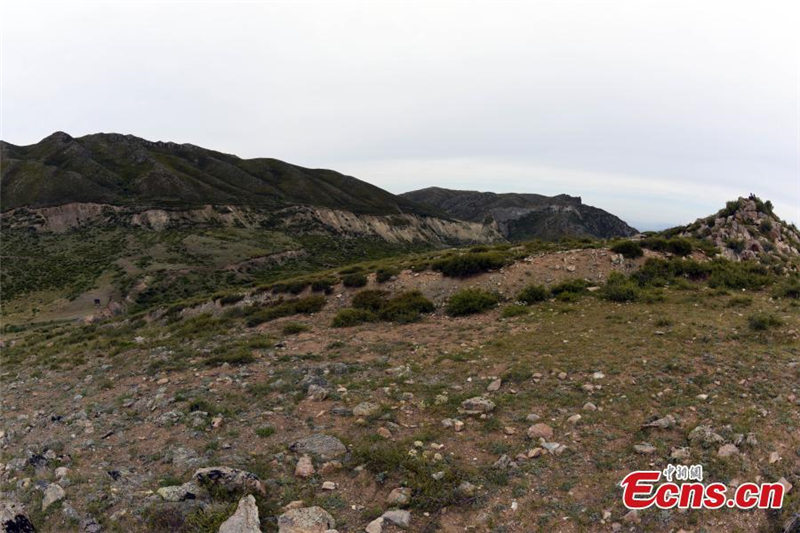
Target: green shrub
470 301
293 328
737 245
370 300
619 288
763 321
532 294
406 307
788 289
265 431
628 249
738 275
469 264
356 279
384 274
352 317
675 245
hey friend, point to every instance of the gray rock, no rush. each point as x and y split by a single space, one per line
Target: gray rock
14 519
399 497
705 436
179 493
376 526
52 494
317 393
245 519
306 520
324 447
229 478
398 517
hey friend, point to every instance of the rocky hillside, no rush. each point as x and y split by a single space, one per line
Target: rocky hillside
126 170
747 228
525 216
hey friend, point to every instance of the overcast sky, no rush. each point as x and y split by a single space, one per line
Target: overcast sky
655 111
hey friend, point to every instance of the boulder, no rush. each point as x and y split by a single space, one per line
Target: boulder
245 519
324 447
13 519
229 478
306 520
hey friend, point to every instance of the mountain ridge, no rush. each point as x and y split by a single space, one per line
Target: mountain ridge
117 169
522 216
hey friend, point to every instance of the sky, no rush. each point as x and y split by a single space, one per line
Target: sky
657 111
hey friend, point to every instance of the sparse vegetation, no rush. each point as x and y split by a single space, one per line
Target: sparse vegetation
628 249
471 301
469 264
532 294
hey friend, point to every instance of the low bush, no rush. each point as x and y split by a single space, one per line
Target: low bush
356 279
533 294
471 301
384 274
513 310
469 264
788 289
230 299
291 287
738 275
370 300
406 307
628 249
574 286
352 317
676 245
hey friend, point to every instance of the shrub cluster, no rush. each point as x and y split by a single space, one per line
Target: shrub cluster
372 306
619 288
469 264
384 274
675 245
355 279
533 294
305 306
471 301
763 321
628 249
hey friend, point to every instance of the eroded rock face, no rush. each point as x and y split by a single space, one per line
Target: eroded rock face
321 446
245 519
306 520
229 478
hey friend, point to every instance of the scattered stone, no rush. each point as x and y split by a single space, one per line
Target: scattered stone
661 423
532 417
679 453
562 375
574 419
786 485
324 447
533 453
589 406
61 472
52 494
458 425
631 517
229 478
540 430
467 489
385 433
705 436
330 467
245 519
14 519
727 450
328 485
477 405
305 467
598 375
306 520
494 385
644 448
366 409
774 457
399 517
399 497
508 430
317 393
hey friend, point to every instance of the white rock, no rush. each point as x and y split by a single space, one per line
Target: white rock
245 519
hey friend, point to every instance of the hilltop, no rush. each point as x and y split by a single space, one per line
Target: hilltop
525 216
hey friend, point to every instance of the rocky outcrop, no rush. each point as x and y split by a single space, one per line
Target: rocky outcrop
747 229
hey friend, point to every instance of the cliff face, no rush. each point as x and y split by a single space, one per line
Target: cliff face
401 228
525 216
